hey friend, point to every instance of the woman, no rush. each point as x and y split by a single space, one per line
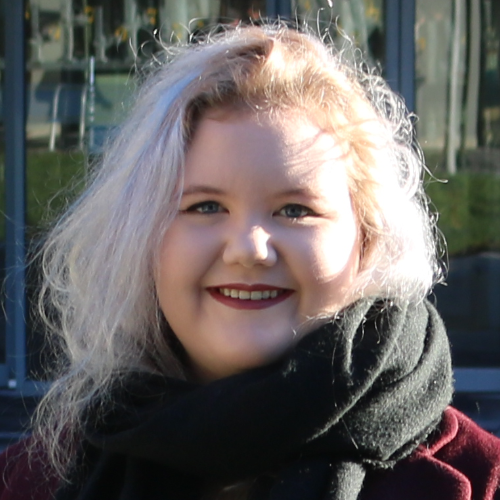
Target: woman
240 297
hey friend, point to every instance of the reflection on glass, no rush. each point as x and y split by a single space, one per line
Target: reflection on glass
458 101
80 63
243 10
361 20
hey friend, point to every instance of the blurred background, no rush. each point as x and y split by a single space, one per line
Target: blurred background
66 75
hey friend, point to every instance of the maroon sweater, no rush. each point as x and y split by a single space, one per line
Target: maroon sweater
462 463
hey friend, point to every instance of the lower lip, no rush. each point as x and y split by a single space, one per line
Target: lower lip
249 304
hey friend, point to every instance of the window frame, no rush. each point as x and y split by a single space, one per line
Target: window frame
399 71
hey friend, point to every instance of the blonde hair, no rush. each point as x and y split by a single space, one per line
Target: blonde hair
98 297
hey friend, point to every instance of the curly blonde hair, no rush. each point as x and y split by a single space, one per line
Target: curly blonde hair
98 297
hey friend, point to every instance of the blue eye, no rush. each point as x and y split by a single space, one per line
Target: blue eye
295 211
206 207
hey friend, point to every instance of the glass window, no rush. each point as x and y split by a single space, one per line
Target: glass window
458 102
242 10
81 54
361 20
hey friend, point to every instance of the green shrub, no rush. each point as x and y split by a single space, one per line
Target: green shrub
469 211
53 179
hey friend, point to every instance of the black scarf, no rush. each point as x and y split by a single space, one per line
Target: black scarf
358 393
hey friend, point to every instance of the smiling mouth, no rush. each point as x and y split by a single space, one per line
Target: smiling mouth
250 296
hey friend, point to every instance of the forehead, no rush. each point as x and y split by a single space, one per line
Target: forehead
247 141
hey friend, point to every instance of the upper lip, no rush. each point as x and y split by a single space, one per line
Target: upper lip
256 287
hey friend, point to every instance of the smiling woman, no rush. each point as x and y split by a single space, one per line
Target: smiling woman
240 297
254 220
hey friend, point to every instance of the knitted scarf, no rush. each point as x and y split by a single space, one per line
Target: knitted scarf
360 392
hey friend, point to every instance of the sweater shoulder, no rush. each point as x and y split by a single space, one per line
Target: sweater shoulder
466 454
24 473
470 451
460 462
460 437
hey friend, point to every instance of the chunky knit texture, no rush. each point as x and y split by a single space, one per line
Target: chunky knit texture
356 395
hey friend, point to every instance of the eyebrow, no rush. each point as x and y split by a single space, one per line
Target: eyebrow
201 189
297 192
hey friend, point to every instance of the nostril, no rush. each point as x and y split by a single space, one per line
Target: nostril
249 248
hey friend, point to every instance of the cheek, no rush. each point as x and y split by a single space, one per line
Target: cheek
327 278
186 256
184 250
334 253
172 273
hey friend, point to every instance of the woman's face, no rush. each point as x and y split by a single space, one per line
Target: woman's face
265 240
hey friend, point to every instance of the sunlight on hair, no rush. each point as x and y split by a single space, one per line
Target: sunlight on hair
98 298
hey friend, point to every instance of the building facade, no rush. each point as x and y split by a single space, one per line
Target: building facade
66 67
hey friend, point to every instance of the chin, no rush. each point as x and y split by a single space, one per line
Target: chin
238 364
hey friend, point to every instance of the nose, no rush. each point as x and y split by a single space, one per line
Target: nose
249 247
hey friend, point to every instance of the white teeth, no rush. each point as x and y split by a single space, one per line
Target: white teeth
255 295
246 295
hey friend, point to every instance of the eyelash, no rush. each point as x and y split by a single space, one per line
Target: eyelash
201 208
198 207
305 211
